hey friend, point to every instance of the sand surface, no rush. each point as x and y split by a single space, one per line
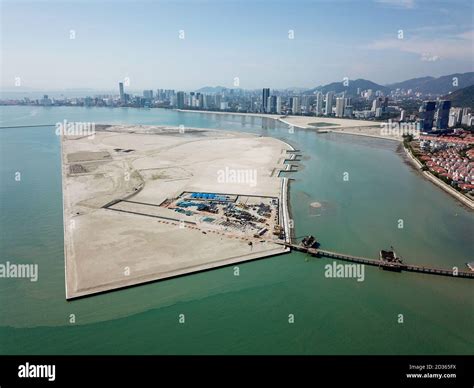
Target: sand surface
107 249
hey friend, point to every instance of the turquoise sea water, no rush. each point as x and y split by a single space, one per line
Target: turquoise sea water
248 314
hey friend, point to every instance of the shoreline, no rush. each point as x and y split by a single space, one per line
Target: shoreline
320 130
438 182
285 201
381 137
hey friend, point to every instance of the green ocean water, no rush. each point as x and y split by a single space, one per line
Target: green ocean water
248 314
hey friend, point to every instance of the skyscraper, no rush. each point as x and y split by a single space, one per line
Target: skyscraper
402 115
278 105
265 95
122 95
319 103
272 104
305 103
148 94
295 105
427 111
340 103
442 114
180 100
329 97
377 103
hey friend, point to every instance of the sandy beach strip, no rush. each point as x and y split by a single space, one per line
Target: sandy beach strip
336 125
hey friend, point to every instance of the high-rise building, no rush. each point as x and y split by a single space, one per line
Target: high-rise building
122 94
218 99
402 115
452 120
46 101
319 104
340 102
458 115
272 104
180 100
377 103
466 116
442 114
348 111
427 112
305 103
295 105
278 105
329 97
208 101
148 94
265 95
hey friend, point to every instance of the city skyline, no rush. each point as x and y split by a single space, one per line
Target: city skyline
91 45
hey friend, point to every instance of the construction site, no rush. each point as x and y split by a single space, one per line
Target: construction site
143 203
239 215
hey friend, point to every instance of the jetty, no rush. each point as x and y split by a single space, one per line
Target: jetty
388 260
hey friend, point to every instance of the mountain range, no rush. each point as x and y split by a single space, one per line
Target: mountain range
427 85
462 98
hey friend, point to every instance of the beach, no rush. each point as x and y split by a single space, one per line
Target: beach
321 124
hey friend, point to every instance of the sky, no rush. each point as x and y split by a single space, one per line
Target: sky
51 45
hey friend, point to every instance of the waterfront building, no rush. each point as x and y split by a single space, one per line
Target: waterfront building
442 114
265 95
180 100
218 100
305 104
148 94
329 97
377 103
122 94
340 102
272 104
278 105
46 101
319 103
455 116
348 111
427 112
295 105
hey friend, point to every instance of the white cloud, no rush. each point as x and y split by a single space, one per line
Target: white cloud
455 47
427 57
408 4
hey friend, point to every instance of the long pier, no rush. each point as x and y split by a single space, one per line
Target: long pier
26 126
386 265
